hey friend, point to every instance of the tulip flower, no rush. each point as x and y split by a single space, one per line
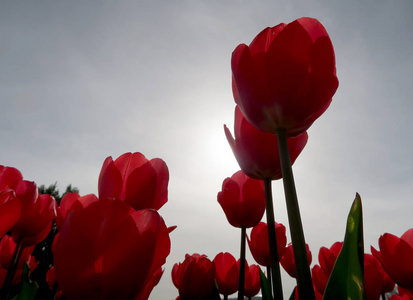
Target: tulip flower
10 210
38 212
7 248
132 178
327 257
194 277
397 297
257 151
69 202
226 273
107 250
259 243
9 177
397 257
288 261
252 280
405 292
286 77
243 200
373 277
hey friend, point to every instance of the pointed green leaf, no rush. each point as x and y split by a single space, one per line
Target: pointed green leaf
29 288
346 279
265 287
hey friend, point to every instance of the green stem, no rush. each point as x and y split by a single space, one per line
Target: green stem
304 282
8 282
272 241
242 265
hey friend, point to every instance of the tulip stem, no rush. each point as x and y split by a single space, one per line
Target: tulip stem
269 277
242 265
8 281
304 282
272 241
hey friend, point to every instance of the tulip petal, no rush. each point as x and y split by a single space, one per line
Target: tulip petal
110 180
10 208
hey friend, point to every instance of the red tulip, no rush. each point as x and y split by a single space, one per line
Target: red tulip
194 277
286 77
7 248
243 200
388 283
9 177
259 246
226 273
107 250
397 297
397 257
257 151
288 262
10 210
373 277
252 280
132 178
10 205
405 292
320 279
68 203
37 214
327 258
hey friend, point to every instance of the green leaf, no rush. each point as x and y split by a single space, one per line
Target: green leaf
29 288
346 279
265 287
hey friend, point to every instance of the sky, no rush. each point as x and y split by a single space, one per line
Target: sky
84 80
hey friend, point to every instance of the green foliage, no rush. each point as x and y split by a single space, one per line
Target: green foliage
346 280
53 190
265 287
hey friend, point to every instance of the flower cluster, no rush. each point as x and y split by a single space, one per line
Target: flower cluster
113 245
110 246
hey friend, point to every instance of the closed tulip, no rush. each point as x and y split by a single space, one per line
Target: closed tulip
9 177
37 214
397 257
258 243
132 178
69 202
10 209
288 261
226 273
194 277
107 250
327 258
257 151
373 277
243 200
252 280
10 205
286 77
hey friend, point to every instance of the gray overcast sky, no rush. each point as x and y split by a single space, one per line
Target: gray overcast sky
83 80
